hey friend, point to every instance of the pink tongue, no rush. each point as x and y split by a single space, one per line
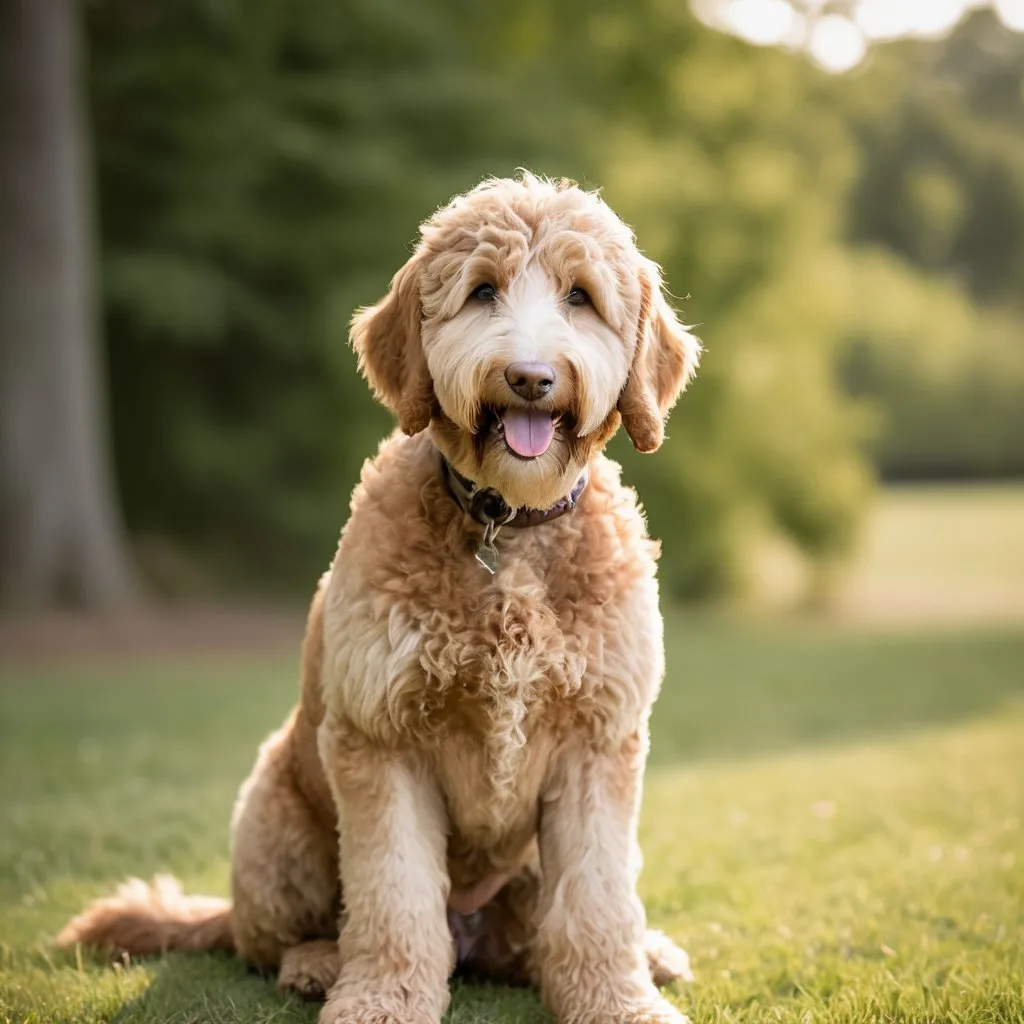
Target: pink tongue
528 432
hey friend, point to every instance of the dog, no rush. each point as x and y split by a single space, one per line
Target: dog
459 785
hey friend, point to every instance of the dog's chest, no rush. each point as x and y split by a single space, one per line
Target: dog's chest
489 666
491 787
476 674
453 655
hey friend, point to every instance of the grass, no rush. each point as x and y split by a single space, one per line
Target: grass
941 552
832 823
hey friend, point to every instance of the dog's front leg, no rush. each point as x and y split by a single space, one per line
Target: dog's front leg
590 953
396 950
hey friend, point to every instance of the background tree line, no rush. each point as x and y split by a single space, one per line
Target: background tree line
851 249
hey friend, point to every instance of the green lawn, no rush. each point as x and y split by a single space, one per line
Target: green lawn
832 826
935 552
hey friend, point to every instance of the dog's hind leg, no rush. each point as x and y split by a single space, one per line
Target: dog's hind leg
667 961
285 883
310 969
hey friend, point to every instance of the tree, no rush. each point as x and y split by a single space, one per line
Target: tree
262 169
732 162
60 532
263 166
938 199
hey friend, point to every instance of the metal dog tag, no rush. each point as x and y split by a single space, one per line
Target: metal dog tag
487 553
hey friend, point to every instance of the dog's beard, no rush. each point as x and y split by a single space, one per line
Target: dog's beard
484 456
531 453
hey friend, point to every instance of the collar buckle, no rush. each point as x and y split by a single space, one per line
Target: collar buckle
487 507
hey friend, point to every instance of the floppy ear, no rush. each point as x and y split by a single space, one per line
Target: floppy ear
666 359
386 337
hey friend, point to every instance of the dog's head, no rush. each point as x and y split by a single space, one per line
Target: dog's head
523 329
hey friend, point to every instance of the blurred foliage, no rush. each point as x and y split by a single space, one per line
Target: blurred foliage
262 169
937 336
734 179
946 375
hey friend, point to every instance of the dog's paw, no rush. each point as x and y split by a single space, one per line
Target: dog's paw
660 1012
666 960
628 1004
650 1011
310 969
371 1008
365 1014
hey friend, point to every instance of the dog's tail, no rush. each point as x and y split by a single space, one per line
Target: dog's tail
145 918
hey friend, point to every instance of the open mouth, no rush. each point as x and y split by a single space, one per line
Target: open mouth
527 432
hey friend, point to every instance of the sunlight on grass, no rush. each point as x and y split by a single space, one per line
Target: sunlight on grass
878 881
832 826
930 553
941 552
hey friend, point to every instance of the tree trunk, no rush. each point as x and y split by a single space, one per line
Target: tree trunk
61 537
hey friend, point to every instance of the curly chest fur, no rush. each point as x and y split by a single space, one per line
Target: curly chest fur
477 675
497 692
477 661
486 675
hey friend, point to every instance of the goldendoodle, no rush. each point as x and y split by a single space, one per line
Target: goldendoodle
459 784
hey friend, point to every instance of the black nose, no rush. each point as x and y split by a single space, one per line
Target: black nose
530 380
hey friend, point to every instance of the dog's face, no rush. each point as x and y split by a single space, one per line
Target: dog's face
524 328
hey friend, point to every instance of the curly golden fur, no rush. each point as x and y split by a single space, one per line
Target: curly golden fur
460 781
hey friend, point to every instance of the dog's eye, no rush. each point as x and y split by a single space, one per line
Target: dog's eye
484 292
577 297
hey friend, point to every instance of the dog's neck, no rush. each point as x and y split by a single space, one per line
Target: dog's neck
487 506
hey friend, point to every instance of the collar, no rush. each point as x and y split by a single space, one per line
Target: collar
492 511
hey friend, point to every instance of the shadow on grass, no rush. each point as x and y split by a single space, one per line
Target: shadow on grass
743 690
219 989
213 988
